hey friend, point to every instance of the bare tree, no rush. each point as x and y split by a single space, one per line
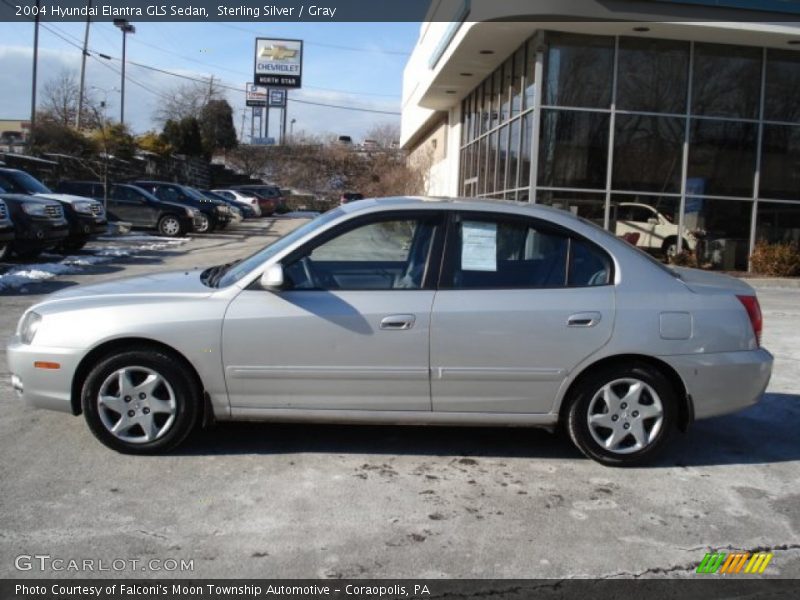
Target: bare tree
188 100
386 134
60 101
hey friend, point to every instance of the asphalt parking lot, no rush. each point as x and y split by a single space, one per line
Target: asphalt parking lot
264 500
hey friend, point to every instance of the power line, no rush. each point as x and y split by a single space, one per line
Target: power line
324 45
205 81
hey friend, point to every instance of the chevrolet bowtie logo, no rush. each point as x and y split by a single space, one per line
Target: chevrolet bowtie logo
277 52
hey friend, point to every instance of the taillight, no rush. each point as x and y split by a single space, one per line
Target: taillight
753 309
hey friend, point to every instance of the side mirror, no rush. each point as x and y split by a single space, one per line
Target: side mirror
272 279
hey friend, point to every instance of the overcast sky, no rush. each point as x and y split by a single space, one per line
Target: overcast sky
353 64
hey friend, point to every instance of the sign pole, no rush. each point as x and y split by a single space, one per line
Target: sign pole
285 110
266 123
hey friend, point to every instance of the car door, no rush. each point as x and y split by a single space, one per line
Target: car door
350 330
127 205
521 303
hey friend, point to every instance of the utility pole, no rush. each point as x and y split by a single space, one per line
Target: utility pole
35 69
285 110
126 28
83 63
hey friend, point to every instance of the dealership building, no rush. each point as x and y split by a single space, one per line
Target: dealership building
675 124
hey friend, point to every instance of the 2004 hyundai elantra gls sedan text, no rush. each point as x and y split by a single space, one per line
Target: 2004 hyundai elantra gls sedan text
406 311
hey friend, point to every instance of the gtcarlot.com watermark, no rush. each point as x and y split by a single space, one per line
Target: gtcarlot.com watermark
46 562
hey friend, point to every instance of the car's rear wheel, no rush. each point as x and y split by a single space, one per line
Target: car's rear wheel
169 226
622 415
141 401
203 224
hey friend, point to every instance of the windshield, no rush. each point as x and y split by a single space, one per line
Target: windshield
20 182
242 268
195 194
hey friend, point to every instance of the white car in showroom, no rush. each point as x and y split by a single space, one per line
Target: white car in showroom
656 231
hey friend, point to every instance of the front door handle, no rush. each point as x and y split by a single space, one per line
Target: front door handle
398 322
587 319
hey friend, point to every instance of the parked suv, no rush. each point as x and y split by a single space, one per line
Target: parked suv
39 224
270 197
213 213
86 217
138 207
6 230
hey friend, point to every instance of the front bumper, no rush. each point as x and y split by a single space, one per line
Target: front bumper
42 231
6 233
81 226
724 382
43 388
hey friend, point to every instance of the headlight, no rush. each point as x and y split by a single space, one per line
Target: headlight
29 326
190 212
84 207
222 209
35 209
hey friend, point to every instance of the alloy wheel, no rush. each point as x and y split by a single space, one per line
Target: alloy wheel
136 405
625 416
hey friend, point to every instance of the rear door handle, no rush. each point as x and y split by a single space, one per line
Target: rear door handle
587 319
398 322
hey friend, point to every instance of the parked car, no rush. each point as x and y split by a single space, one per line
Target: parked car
6 231
86 217
656 231
39 224
213 213
270 197
249 201
350 197
236 213
441 312
138 207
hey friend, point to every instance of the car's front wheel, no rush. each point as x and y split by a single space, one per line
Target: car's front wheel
622 415
141 401
203 224
169 226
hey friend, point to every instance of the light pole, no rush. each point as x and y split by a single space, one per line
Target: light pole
35 70
104 138
126 28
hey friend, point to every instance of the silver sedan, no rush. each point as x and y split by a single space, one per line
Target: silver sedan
406 311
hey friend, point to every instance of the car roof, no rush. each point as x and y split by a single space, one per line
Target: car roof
473 204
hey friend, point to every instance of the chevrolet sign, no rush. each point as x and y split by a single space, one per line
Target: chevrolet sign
279 63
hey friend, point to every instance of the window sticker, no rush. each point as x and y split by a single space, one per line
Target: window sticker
478 246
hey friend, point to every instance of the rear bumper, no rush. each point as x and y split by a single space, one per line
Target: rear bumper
43 388
725 382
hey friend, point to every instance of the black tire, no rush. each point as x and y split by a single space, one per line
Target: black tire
170 226
670 246
580 403
187 399
204 225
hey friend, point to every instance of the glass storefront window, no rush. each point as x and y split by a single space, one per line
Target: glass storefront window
726 81
588 206
721 229
778 222
525 150
516 82
782 86
648 153
780 162
513 154
573 149
491 163
505 90
497 79
530 74
653 75
579 70
502 155
722 158
486 117
648 222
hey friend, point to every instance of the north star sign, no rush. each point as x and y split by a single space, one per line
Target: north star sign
279 63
